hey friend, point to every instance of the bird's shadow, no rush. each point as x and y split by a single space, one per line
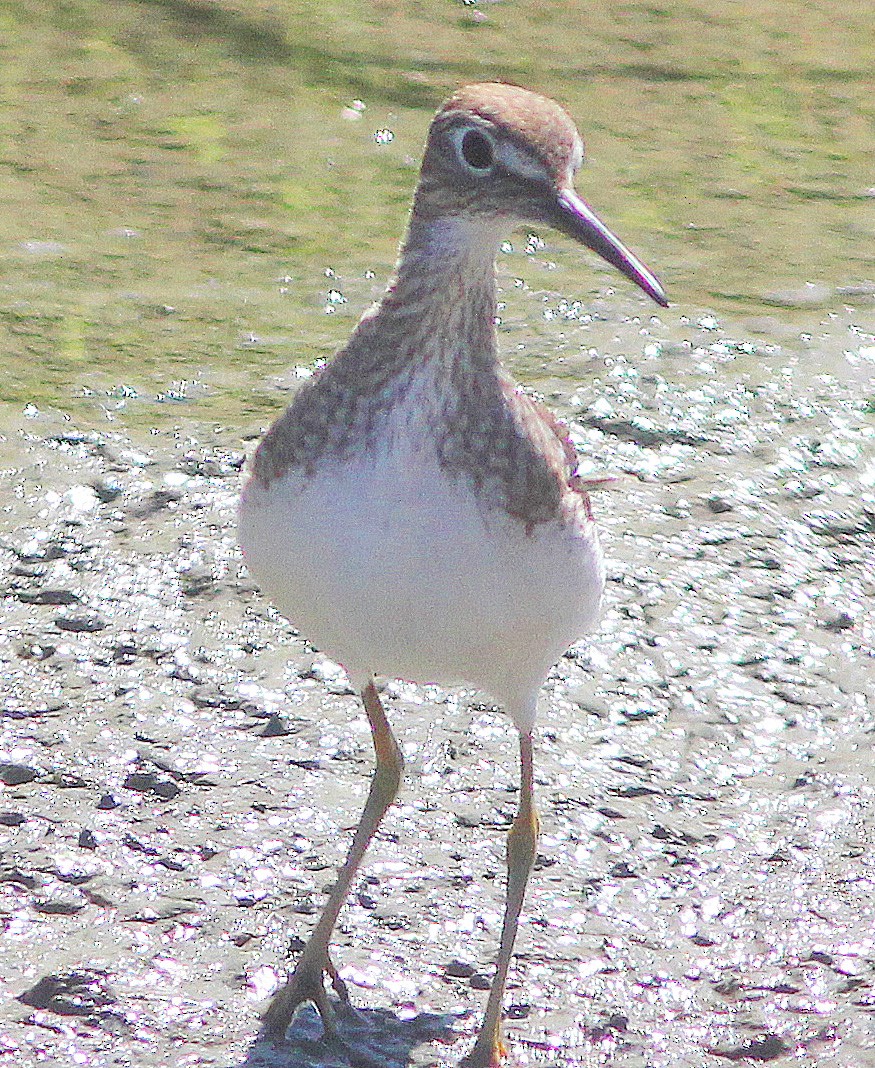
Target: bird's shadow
366 1038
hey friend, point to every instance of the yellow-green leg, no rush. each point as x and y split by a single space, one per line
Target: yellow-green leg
307 982
522 844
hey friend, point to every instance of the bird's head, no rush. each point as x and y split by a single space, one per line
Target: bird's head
497 156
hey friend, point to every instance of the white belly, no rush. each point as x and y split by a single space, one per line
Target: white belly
391 569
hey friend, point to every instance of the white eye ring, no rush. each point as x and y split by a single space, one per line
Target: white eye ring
475 149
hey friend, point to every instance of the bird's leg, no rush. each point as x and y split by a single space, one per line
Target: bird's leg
307 982
522 843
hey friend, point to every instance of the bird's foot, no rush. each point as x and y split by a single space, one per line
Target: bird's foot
307 983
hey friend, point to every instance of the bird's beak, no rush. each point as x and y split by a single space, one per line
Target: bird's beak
574 217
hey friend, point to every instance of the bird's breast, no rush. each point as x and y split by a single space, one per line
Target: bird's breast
392 564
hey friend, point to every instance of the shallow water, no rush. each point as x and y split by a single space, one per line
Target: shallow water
195 210
179 180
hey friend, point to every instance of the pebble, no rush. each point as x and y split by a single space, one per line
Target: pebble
107 489
86 839
36 650
76 993
47 595
274 728
840 524
643 432
148 782
16 774
459 969
58 905
86 621
718 504
213 464
837 621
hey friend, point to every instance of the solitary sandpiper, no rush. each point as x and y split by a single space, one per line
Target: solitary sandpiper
413 512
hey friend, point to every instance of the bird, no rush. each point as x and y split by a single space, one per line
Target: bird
414 513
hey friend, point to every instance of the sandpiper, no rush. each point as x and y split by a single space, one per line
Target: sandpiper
413 512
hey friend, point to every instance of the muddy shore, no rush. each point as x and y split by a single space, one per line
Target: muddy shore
181 770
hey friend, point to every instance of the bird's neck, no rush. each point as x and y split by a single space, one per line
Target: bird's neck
441 303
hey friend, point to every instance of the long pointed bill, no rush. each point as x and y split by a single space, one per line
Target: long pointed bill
575 218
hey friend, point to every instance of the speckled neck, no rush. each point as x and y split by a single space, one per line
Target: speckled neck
441 303
438 309
434 325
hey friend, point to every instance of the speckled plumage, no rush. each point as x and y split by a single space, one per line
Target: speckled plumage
486 430
414 512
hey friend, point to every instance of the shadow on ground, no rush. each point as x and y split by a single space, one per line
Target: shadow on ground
367 1038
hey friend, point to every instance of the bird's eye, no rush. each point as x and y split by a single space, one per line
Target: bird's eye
476 150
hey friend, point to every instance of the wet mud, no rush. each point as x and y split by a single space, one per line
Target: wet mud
181 771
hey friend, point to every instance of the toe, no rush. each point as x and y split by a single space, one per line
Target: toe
305 985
